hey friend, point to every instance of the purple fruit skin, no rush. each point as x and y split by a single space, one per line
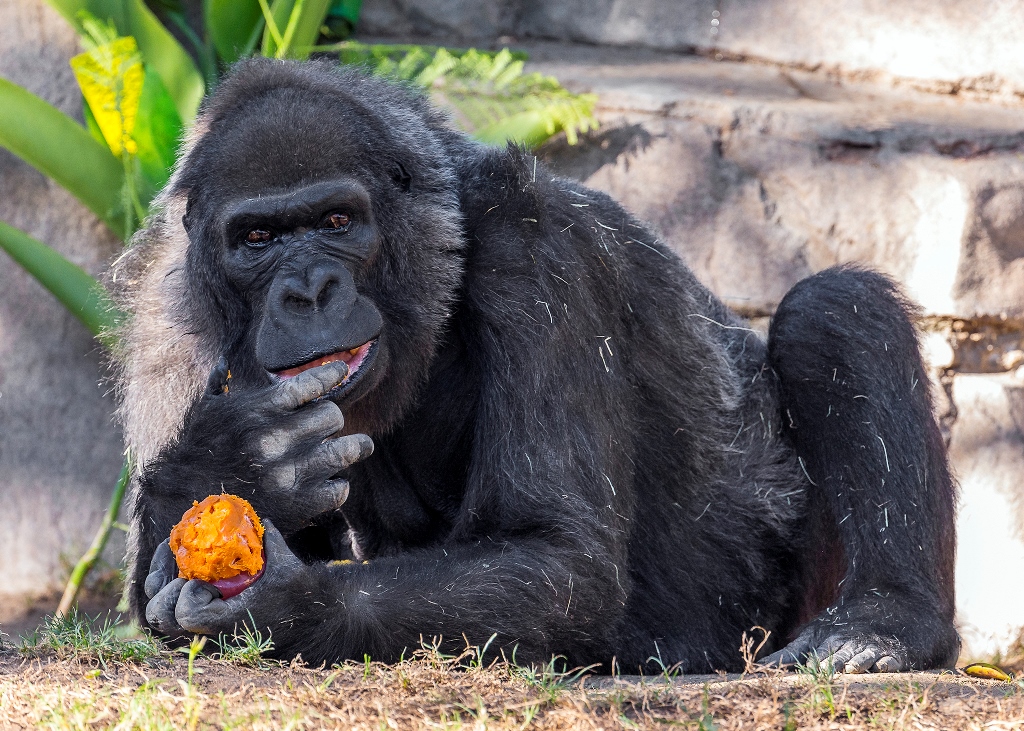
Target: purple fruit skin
236 584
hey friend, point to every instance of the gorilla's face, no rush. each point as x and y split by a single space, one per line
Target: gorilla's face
299 254
318 232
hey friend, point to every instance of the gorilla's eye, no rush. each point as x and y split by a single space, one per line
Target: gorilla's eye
257 237
336 220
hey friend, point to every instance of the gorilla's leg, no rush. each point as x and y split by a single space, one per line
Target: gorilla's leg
855 396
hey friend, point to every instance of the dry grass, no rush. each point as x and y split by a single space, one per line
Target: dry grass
41 688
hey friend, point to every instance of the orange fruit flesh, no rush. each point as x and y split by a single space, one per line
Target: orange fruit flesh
218 538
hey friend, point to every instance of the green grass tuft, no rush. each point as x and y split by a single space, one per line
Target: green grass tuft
246 647
78 636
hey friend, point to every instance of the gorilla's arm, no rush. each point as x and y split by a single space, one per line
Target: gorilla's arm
526 591
537 556
275 446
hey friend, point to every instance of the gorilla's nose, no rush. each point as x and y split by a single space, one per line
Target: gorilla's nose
313 309
314 291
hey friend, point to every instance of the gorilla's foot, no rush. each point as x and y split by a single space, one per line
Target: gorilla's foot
879 633
848 652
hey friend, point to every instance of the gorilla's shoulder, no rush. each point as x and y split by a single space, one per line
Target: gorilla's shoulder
508 188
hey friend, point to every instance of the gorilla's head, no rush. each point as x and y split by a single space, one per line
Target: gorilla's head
323 224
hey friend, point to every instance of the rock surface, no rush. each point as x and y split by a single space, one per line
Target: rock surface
936 44
59 452
760 175
987 451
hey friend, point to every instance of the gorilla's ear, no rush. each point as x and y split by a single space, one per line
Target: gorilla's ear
186 220
401 177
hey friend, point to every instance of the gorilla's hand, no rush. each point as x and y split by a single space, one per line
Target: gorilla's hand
162 589
178 608
275 445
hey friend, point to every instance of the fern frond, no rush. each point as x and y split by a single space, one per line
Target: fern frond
489 94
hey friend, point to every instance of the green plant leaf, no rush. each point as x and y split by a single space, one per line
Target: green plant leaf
495 101
355 52
69 283
91 124
298 22
342 18
230 24
59 147
111 76
159 49
526 113
157 133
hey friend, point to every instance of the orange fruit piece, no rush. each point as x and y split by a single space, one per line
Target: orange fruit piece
218 538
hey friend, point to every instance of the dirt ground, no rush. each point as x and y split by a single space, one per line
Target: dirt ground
40 689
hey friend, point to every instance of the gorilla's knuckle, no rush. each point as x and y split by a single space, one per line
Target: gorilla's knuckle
332 456
281 478
335 493
329 415
273 445
288 395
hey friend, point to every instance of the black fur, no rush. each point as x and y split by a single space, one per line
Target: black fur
577 446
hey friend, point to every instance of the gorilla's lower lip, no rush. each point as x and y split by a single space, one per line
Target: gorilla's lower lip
354 358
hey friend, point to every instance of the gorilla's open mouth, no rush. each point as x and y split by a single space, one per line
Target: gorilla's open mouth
355 358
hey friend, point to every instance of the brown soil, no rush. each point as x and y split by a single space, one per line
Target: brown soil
430 693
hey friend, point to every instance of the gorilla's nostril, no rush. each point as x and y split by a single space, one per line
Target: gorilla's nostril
326 292
297 304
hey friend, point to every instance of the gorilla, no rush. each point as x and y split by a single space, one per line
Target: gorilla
475 401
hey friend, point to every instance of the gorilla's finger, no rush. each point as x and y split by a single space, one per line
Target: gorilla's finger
200 609
160 609
337 454
829 646
308 385
282 570
163 569
888 664
792 653
274 544
217 383
838 657
861 662
314 423
320 420
785 657
330 496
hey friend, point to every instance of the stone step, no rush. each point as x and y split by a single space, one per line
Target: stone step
938 44
759 175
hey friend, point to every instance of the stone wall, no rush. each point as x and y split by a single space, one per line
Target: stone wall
940 44
59 452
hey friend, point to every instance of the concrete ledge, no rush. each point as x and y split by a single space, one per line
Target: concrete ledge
946 45
760 176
